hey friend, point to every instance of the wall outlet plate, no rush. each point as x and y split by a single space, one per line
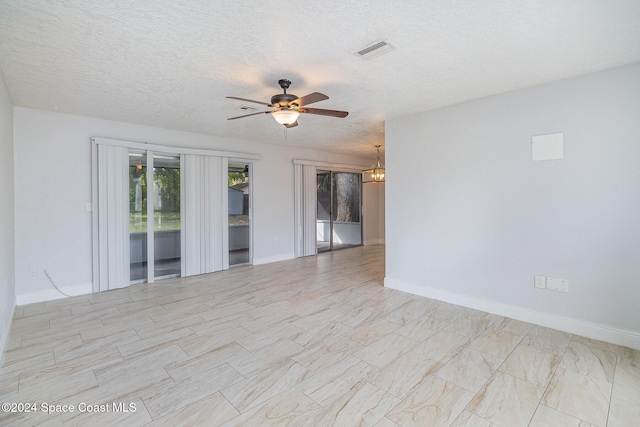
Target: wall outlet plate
555 284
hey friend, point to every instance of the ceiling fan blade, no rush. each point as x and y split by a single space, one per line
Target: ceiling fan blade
309 99
252 114
323 112
292 125
249 100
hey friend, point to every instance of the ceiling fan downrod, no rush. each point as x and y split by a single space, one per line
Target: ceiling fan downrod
284 84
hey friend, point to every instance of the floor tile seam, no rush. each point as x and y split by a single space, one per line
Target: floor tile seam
540 403
591 378
309 397
617 351
170 414
144 352
96 350
257 402
619 373
435 374
485 385
48 316
243 377
573 416
5 368
613 383
508 355
432 334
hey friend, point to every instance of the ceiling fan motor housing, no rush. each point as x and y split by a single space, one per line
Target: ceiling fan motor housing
282 100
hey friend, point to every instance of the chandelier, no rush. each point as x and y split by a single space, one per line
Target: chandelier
375 174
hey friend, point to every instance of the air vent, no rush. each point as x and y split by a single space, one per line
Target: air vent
247 108
374 49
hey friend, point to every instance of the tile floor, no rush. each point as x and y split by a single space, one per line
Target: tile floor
316 341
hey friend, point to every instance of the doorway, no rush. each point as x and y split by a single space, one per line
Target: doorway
339 210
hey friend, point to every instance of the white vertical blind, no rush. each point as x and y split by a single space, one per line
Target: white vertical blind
305 187
113 217
204 214
298 216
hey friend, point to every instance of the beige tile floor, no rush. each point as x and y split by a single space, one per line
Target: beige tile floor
316 341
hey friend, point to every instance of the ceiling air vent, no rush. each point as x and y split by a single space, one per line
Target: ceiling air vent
374 49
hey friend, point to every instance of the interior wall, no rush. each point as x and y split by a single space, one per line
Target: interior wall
373 223
53 184
471 218
381 213
7 238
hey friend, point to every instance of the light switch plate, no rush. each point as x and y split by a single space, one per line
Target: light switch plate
539 282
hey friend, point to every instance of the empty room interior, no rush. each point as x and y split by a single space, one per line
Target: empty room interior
437 226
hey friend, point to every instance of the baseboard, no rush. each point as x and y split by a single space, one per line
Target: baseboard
374 242
577 327
275 258
5 335
51 294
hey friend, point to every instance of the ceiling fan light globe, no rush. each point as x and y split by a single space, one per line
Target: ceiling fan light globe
285 117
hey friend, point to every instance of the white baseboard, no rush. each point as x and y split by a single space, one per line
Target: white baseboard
373 242
51 294
573 326
275 258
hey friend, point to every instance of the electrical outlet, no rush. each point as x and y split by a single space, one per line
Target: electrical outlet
560 285
539 282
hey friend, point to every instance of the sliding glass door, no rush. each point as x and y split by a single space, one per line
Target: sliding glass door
154 228
164 211
346 215
338 215
138 216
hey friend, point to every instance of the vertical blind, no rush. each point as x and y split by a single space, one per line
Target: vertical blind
113 217
305 183
204 222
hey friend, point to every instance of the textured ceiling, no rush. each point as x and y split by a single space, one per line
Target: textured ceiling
170 63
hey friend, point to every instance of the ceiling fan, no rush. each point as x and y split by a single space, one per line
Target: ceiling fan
286 107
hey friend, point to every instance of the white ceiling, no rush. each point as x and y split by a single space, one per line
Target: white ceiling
170 63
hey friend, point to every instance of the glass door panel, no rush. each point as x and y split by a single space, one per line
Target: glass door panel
166 215
138 216
338 215
346 227
239 218
323 211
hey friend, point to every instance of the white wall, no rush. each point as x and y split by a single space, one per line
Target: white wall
373 222
471 219
7 239
53 183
